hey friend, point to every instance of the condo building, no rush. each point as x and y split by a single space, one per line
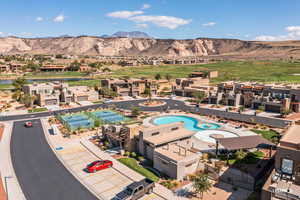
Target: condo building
284 181
273 98
54 93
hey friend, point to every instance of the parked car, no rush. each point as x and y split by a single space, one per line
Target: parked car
28 124
136 190
98 165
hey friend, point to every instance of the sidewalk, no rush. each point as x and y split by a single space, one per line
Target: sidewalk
6 168
2 191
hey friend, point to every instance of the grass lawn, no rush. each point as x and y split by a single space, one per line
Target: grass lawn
268 134
133 164
55 75
249 158
90 83
262 71
37 110
6 86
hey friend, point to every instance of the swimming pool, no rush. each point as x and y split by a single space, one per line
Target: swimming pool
190 123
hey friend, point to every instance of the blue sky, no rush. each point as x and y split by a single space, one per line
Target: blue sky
180 19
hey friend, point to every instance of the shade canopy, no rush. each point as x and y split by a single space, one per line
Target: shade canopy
245 142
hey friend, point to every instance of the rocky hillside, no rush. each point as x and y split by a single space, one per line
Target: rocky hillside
86 45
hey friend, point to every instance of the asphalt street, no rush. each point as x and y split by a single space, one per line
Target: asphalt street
40 174
170 105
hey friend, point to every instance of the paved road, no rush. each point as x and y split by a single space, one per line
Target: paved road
170 104
40 174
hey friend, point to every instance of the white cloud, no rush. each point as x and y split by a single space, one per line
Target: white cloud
146 6
39 19
59 18
142 25
26 34
1 33
161 21
293 33
209 24
124 14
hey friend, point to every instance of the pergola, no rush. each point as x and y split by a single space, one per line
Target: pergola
245 142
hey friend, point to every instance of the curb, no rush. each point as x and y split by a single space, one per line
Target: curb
11 170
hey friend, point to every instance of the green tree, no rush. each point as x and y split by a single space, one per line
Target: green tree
157 76
147 93
27 100
261 108
199 96
201 184
284 112
97 123
241 108
135 111
168 77
19 83
107 92
74 66
33 67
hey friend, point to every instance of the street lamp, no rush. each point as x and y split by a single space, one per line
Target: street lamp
5 182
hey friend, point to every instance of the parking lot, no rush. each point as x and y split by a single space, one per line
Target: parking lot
106 183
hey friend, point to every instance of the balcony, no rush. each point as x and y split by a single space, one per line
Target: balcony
284 189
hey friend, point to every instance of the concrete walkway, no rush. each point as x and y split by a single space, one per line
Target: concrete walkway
7 171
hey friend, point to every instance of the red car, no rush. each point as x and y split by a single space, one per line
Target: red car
99 165
28 124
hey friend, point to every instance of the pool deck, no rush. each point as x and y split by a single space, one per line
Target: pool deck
199 144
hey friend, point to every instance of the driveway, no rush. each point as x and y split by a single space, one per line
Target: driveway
40 174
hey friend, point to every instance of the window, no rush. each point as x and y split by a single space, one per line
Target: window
287 166
164 162
156 133
188 165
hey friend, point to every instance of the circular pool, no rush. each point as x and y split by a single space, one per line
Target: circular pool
190 123
206 135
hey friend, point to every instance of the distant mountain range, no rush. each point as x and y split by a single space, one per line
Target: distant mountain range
132 34
128 46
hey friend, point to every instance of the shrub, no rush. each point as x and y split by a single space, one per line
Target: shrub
133 154
141 158
127 153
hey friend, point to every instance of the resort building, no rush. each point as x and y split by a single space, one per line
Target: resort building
4 68
284 181
55 92
123 136
16 67
197 82
83 93
130 87
157 136
273 98
177 159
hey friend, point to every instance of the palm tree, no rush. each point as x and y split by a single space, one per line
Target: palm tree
147 93
199 96
201 184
